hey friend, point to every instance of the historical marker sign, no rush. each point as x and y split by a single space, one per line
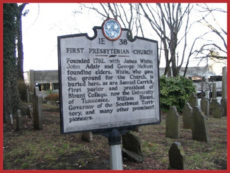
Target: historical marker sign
106 83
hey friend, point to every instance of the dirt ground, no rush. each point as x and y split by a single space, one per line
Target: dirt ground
49 149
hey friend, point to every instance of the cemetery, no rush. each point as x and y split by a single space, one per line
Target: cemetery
33 141
48 149
110 105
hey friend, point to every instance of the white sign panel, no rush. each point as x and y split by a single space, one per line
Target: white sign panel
107 84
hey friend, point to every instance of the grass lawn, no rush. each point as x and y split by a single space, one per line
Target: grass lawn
48 149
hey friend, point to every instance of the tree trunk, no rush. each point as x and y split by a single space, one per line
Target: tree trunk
172 47
10 90
20 43
20 47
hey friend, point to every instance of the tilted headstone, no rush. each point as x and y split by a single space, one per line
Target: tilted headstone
199 131
187 116
215 109
87 136
172 123
224 91
37 112
176 156
193 100
18 120
204 105
132 147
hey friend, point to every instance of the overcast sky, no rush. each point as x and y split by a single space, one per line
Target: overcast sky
45 22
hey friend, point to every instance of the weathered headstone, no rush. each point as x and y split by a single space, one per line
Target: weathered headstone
193 100
199 131
224 91
87 136
37 112
36 91
18 120
176 156
202 86
172 123
204 105
215 109
224 107
187 116
132 147
214 91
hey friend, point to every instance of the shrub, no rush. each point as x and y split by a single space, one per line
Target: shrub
175 91
52 97
22 90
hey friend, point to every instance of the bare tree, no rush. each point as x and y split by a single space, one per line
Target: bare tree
166 21
171 22
126 14
219 31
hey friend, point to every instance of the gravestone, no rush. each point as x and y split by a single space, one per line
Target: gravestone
25 109
215 109
224 107
37 112
204 105
132 147
187 116
202 87
18 120
36 90
193 100
87 136
172 123
214 91
206 101
199 131
176 156
224 91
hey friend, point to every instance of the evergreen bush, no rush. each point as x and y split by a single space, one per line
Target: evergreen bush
175 91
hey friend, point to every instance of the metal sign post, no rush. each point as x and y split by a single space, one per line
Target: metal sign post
115 150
